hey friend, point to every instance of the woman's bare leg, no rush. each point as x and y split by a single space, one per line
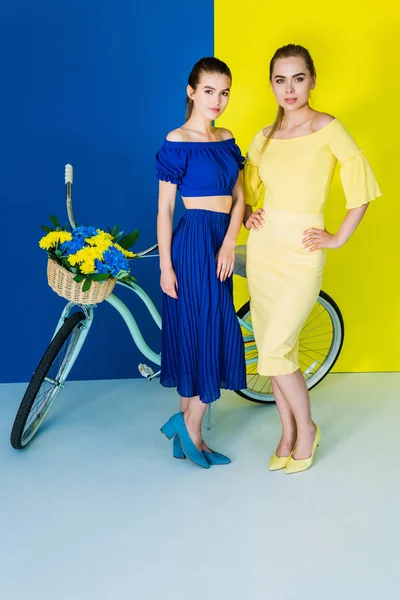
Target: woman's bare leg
294 390
193 416
184 402
289 428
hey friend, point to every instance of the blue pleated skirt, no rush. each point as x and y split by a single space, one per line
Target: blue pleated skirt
202 344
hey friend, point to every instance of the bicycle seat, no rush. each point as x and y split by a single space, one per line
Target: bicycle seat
240 261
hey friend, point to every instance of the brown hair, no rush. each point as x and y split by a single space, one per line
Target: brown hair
209 64
288 51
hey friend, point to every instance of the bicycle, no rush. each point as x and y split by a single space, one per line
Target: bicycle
321 341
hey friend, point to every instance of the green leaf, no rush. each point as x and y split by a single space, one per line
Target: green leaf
46 229
58 252
114 230
86 285
100 276
72 269
55 221
118 236
122 274
78 278
128 240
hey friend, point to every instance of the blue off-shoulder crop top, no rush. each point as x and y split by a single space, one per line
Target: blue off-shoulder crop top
200 168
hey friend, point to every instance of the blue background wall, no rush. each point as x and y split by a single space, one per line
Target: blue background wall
97 84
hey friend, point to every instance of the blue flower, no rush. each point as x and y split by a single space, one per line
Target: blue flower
100 266
114 261
79 234
73 246
84 231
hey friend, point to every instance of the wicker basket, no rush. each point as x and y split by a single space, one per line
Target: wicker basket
62 282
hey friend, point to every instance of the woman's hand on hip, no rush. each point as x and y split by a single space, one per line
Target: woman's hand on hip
225 260
316 239
169 283
256 220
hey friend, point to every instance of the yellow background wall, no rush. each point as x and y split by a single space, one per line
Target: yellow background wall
355 47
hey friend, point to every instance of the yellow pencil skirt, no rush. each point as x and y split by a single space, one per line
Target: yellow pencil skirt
284 283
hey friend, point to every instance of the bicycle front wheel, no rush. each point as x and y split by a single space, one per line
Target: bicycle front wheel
320 343
48 380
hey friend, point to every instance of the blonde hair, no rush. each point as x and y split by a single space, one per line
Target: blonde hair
288 51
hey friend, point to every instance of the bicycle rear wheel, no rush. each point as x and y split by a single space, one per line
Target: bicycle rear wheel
320 343
48 380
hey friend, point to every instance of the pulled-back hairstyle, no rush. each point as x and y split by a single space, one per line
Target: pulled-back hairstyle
209 64
288 51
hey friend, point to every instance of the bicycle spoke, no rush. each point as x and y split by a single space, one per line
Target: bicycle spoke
314 315
267 383
320 331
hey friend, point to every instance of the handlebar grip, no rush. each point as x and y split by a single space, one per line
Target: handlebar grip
69 174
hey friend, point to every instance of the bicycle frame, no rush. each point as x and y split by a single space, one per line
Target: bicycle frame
131 323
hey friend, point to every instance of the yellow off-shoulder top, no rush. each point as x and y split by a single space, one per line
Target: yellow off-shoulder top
296 173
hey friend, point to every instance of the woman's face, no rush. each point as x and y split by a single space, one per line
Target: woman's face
292 83
211 96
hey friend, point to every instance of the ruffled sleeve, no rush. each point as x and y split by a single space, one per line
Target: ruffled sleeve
171 163
253 185
358 180
239 158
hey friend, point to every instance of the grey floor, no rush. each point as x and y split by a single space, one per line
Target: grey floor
96 508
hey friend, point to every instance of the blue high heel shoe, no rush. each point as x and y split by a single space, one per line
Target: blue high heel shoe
213 458
176 427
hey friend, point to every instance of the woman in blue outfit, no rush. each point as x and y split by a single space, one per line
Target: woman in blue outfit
202 345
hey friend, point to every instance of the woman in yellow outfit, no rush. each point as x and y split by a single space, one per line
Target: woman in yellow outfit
292 162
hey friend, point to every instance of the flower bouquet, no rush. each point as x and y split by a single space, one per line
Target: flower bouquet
85 263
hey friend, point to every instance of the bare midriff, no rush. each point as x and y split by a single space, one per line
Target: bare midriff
215 203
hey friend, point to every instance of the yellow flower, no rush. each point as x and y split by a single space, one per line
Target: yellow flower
99 242
53 238
87 266
72 260
86 257
102 240
105 235
126 253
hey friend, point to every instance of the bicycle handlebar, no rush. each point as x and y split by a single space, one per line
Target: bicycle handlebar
147 251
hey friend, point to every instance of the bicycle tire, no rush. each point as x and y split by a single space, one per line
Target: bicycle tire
19 438
326 366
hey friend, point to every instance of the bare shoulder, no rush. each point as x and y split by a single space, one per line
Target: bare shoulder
225 134
177 135
321 120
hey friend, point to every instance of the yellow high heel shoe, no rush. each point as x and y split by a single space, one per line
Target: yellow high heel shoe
278 462
296 466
